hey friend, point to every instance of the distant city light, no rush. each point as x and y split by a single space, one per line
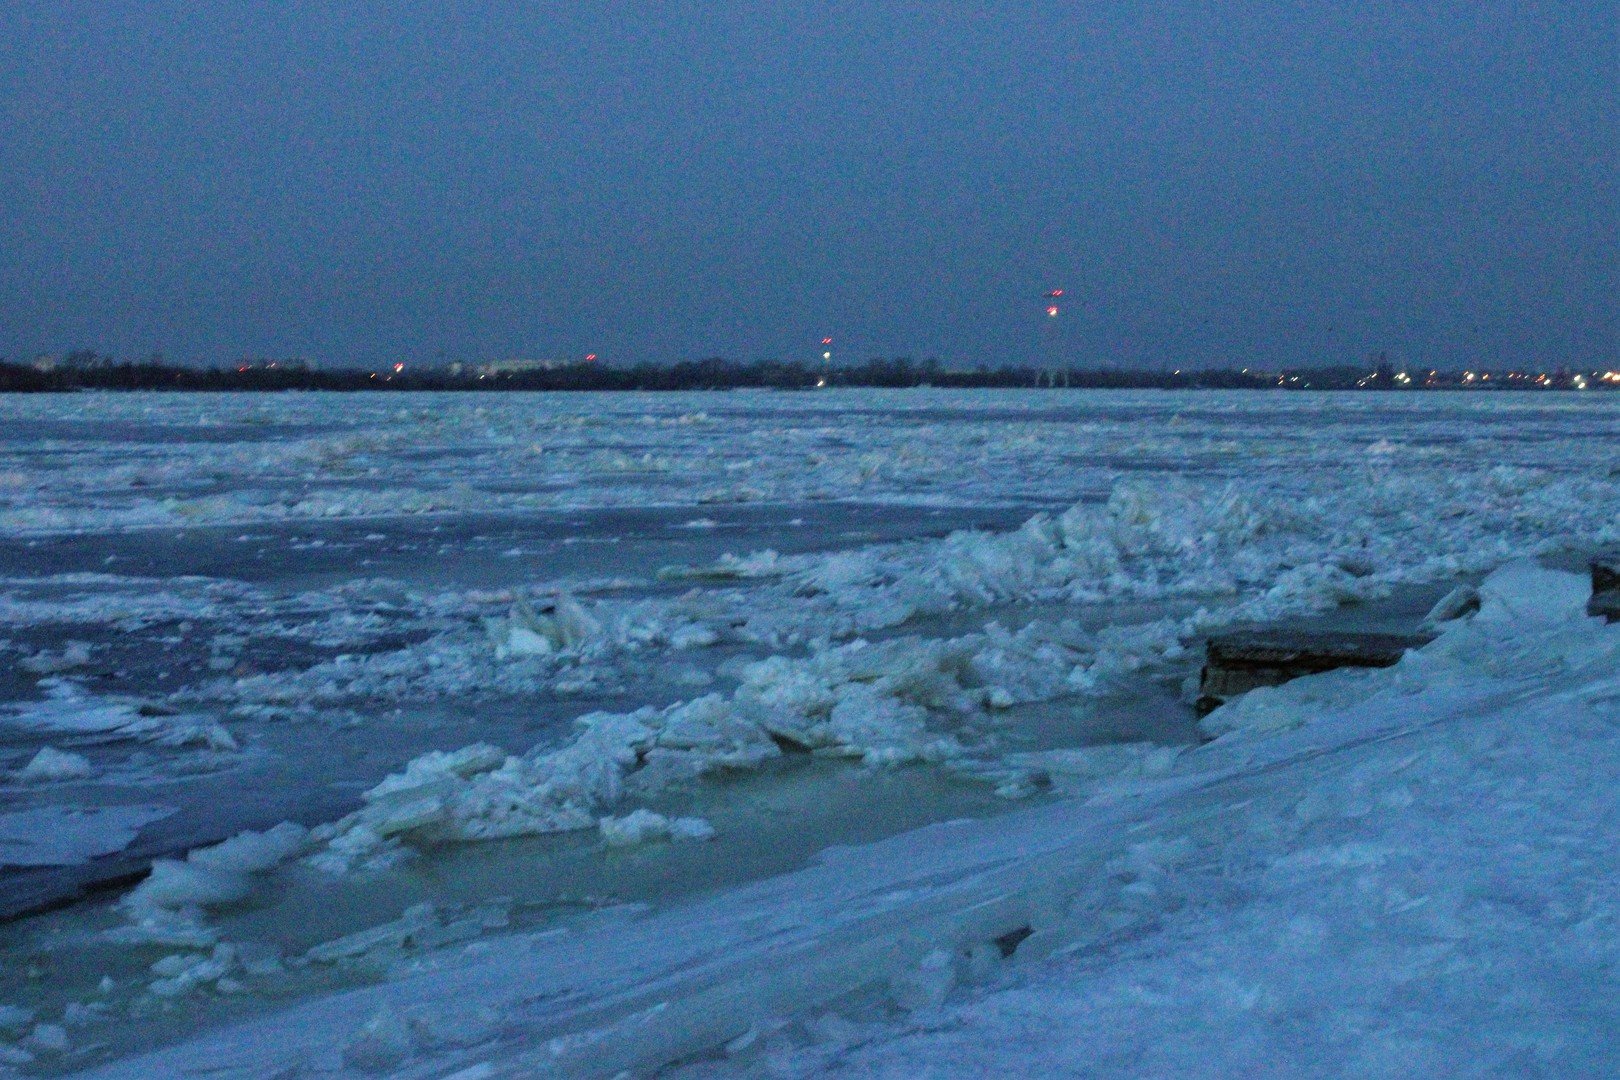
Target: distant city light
826 356
1051 310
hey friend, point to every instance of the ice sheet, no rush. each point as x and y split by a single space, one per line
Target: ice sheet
66 835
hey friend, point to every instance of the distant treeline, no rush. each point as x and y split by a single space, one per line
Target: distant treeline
91 371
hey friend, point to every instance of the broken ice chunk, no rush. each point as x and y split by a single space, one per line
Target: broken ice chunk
52 764
644 825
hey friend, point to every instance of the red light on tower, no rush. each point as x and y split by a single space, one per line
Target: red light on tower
1051 310
826 341
590 358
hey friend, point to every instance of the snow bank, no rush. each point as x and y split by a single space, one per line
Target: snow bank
1436 900
1522 601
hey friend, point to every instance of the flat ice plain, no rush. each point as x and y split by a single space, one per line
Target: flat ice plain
800 734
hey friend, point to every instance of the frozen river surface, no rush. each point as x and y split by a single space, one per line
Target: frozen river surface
512 656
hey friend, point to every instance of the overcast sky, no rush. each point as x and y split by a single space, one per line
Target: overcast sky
1213 183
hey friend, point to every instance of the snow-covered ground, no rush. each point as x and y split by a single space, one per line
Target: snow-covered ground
529 677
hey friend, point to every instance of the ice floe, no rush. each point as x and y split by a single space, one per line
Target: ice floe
67 835
69 709
51 764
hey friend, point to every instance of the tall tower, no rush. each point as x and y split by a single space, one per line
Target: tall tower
1051 364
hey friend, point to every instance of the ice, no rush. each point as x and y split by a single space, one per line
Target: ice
562 626
1329 898
384 1042
1428 904
169 901
51 764
74 654
69 709
1461 601
643 825
865 701
759 564
14 1019
1523 592
67 835
1089 770
585 688
318 459
885 704
181 973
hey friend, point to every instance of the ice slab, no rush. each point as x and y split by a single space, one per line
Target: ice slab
70 835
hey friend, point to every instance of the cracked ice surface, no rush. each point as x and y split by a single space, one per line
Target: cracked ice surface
456 621
1416 876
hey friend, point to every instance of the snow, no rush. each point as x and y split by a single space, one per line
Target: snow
74 654
1441 903
1415 878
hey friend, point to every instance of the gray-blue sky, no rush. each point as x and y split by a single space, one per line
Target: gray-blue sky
1218 182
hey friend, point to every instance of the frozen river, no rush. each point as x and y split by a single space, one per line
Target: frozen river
530 658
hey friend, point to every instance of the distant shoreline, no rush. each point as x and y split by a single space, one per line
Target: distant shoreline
87 372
